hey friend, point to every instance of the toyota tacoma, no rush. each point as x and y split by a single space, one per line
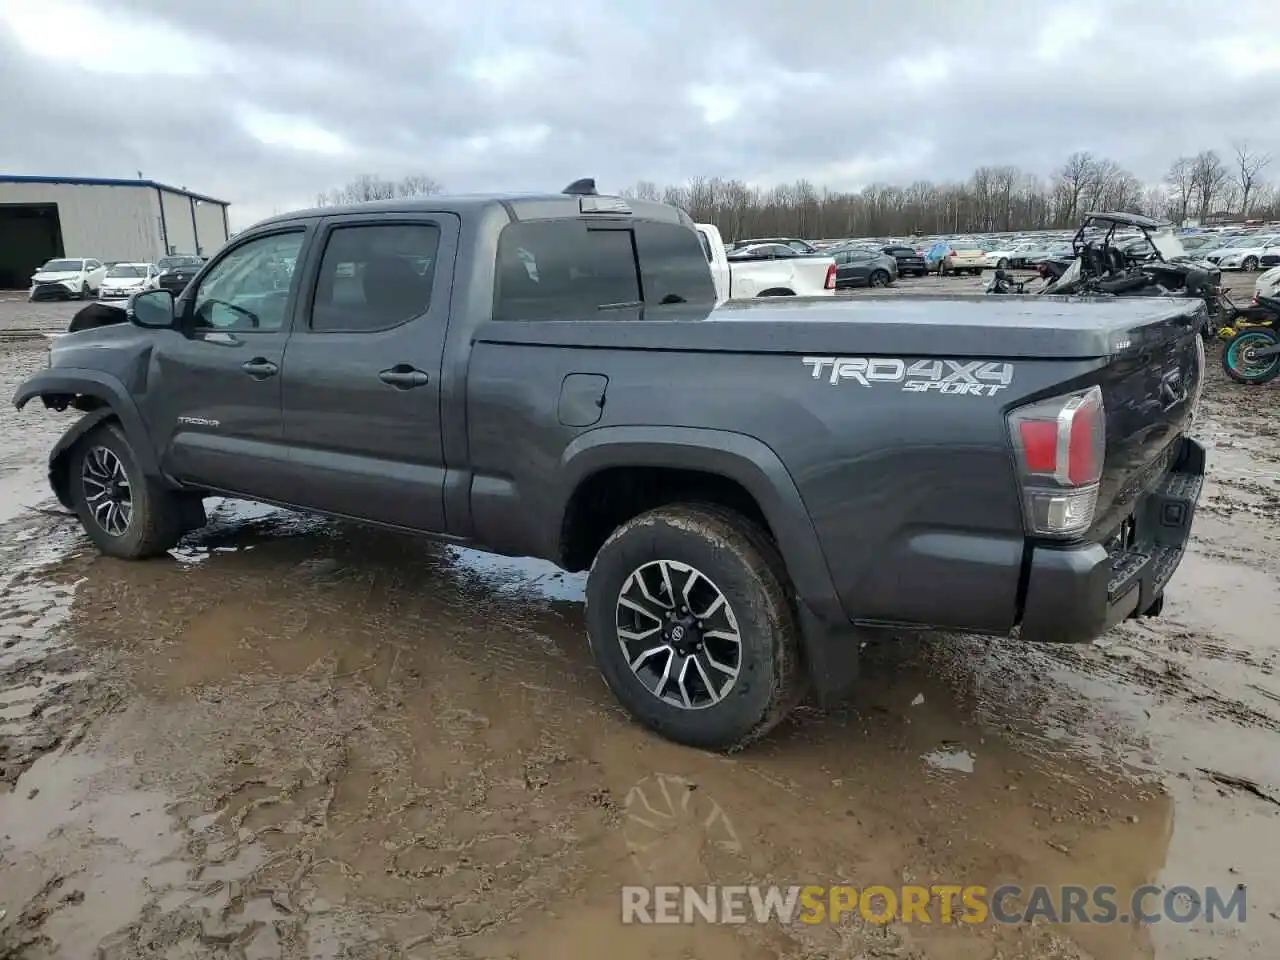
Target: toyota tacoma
755 488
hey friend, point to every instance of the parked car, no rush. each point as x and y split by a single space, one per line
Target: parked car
805 467
801 246
774 273
176 272
956 257
1270 256
863 267
1268 283
909 260
1245 254
66 278
126 279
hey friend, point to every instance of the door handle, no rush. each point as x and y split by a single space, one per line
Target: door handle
260 368
404 377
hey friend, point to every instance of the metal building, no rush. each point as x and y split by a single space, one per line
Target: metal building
46 217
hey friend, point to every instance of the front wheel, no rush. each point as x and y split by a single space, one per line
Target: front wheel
84 291
1003 263
879 278
1250 265
1241 362
690 622
125 513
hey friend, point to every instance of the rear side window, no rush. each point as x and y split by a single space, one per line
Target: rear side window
564 270
375 277
671 267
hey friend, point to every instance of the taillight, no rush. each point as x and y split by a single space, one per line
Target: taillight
830 283
951 253
1061 446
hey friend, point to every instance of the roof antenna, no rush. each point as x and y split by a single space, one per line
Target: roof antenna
586 187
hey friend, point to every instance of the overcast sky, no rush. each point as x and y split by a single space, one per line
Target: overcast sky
265 102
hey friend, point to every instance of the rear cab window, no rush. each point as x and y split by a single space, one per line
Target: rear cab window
574 269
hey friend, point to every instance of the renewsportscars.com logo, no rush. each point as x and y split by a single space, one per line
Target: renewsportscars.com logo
937 904
975 378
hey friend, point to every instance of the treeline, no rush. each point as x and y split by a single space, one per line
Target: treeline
993 199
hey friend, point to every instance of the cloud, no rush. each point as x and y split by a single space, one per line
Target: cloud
267 103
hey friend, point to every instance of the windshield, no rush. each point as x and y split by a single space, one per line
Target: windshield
168 263
127 270
63 266
1167 243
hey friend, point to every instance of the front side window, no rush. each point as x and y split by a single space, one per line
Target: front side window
248 289
375 277
564 270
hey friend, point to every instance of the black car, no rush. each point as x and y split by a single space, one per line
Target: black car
910 261
176 272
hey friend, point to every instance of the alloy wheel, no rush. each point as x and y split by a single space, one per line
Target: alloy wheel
679 635
106 490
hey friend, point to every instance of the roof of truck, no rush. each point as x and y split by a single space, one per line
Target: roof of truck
519 206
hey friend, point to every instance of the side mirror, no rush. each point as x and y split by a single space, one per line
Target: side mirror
152 309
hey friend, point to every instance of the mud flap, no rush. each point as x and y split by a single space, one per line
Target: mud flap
832 656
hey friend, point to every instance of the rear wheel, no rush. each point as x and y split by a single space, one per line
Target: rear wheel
691 625
878 278
125 513
1240 360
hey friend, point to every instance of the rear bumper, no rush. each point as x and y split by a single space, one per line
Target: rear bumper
1076 593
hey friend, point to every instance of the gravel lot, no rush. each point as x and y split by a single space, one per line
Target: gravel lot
297 738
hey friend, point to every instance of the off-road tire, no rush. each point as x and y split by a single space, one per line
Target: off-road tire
158 514
745 565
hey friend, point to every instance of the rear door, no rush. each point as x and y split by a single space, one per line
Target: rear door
361 388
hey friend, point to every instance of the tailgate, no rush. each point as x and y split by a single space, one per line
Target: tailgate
1150 394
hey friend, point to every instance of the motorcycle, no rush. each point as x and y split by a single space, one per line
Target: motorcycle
1251 353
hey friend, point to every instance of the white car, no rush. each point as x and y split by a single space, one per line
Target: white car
1244 253
126 279
802 276
1268 284
68 277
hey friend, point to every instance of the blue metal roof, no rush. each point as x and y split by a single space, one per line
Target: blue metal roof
109 182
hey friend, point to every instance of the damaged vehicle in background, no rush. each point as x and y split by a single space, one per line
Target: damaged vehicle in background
1098 266
764 269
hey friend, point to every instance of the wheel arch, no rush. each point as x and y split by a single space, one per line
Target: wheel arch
104 399
720 466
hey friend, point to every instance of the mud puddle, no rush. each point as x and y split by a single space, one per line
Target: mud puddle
294 738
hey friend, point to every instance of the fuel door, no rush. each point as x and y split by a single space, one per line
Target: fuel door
582 399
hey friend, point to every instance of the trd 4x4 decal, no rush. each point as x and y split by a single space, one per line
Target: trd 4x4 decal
975 378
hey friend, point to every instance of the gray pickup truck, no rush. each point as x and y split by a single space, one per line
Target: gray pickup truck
755 489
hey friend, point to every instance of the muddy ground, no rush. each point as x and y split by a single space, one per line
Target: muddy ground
296 738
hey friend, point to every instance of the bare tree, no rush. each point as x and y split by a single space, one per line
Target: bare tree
1248 166
1181 177
1209 175
1073 180
368 187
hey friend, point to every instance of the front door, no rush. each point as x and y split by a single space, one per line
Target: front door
214 381
362 371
